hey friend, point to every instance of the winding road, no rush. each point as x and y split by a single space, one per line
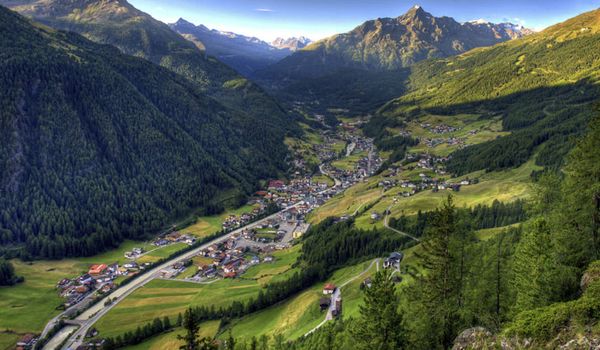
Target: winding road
385 224
337 295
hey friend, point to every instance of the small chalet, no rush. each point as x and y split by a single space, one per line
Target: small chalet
393 260
97 269
329 288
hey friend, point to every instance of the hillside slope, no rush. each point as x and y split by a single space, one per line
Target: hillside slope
542 86
118 23
96 146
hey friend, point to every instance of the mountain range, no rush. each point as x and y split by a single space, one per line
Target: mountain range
244 54
392 43
292 44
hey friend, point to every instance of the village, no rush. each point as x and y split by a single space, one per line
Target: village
251 244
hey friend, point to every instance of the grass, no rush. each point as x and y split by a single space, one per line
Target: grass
161 253
161 298
117 255
26 307
296 316
505 186
207 225
169 340
485 234
8 340
349 163
347 202
264 272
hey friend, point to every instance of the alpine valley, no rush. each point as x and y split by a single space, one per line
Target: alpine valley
417 182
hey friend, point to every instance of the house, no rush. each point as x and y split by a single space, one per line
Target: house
276 185
329 288
367 282
268 258
173 236
230 275
97 269
255 260
375 216
26 342
81 289
393 260
137 251
324 303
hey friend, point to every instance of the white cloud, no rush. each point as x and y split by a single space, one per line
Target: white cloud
264 10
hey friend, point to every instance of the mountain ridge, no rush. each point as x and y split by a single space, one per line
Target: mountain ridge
243 53
389 44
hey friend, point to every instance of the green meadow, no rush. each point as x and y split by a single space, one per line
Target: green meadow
161 298
299 314
208 225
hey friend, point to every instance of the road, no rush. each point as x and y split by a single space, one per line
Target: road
94 313
337 182
89 317
338 294
385 224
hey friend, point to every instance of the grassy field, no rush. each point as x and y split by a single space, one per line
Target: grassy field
208 225
470 127
8 340
117 255
347 202
505 186
265 272
26 307
161 298
161 253
169 340
349 163
299 314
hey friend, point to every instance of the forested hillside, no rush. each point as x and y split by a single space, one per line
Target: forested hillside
542 85
118 23
97 146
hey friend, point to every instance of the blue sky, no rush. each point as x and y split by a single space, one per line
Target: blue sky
316 19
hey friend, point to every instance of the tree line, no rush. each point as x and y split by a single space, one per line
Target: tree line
481 216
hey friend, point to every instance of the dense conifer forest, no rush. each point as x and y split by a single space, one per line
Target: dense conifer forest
98 146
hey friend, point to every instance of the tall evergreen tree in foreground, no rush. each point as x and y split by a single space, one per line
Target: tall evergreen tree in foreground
438 294
190 324
380 324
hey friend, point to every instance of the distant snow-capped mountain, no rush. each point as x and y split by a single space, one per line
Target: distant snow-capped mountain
246 54
292 43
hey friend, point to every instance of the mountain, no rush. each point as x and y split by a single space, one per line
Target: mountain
118 23
292 44
543 87
244 54
97 146
389 44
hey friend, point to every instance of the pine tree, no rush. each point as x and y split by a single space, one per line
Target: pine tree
440 284
380 324
190 324
534 267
